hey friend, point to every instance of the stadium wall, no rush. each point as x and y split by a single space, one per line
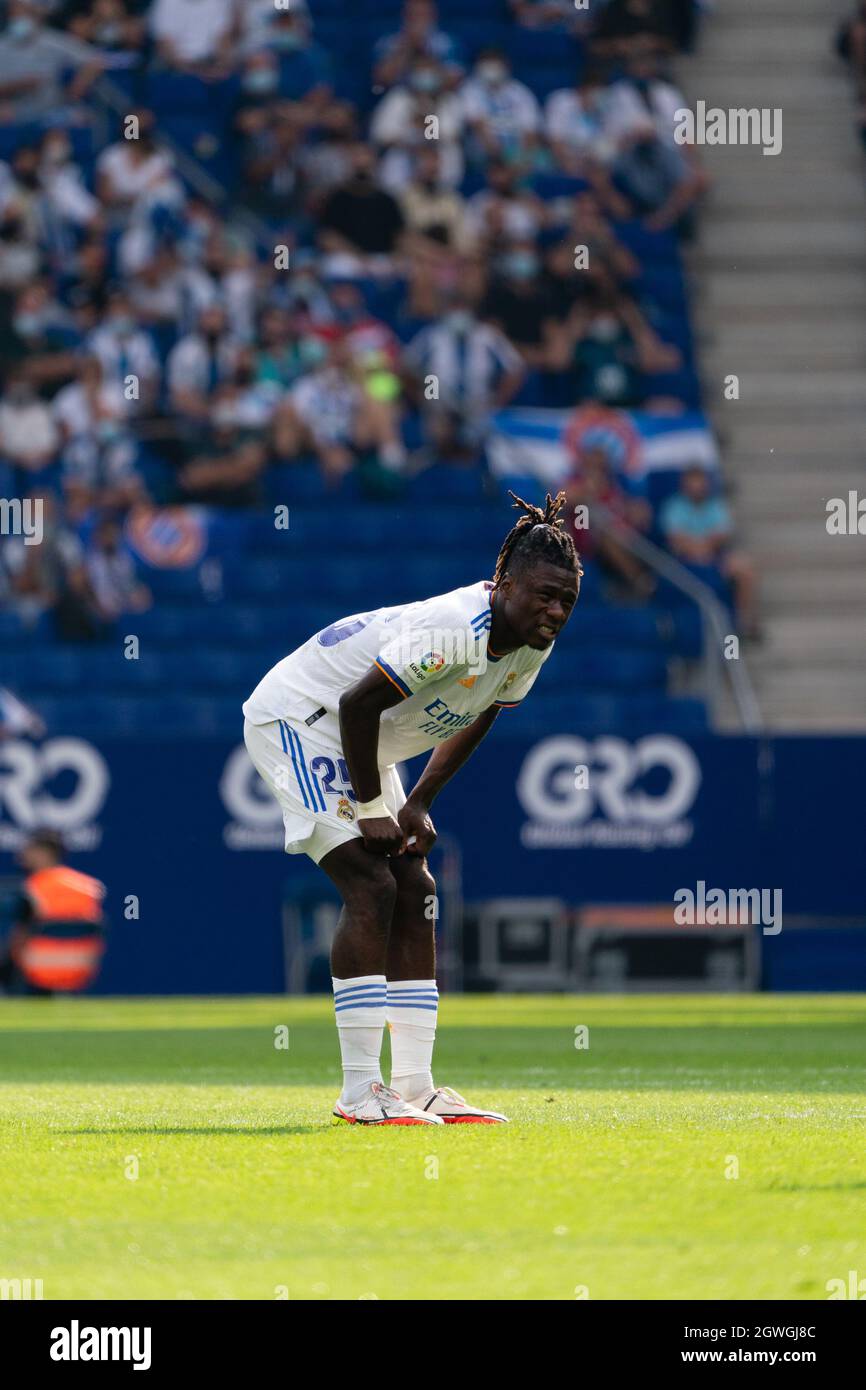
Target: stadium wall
189 846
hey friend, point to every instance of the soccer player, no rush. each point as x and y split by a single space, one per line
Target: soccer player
326 727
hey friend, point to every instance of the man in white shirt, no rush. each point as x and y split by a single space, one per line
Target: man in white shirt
502 114
404 120
199 363
326 727
127 354
33 61
192 34
476 370
28 435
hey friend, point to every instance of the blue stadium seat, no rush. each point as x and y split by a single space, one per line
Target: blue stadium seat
683 385
606 626
649 247
592 668
543 47
592 715
176 586
549 186
475 32
16 635
441 483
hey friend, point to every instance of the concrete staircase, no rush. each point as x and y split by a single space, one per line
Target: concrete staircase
779 294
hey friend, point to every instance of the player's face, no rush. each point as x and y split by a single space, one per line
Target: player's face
538 603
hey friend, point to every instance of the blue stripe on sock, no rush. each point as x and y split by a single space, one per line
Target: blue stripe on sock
359 1004
358 989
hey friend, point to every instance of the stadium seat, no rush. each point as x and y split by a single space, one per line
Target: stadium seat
453 484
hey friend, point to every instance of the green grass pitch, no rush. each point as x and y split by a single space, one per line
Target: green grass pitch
168 1149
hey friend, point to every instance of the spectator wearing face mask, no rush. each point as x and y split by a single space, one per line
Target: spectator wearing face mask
502 115
419 36
131 170
577 126
260 82
330 414
42 331
274 185
361 331
519 304
243 402
24 195
165 292
660 176
304 71
280 357
85 281
431 210
105 24
504 211
49 577
29 438
99 453
33 62
609 346
199 363
477 372
113 583
401 124
195 36
360 218
19 251
69 208
127 355
226 470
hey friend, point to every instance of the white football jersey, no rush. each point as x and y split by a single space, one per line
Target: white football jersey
434 652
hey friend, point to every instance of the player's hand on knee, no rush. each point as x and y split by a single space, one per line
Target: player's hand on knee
417 827
382 835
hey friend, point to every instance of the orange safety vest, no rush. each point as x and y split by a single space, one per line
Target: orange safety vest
54 955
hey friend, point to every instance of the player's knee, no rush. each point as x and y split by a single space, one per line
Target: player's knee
416 892
372 893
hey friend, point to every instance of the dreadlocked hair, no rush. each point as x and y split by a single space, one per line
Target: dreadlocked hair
539 534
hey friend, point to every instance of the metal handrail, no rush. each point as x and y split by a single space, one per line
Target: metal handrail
198 178
713 615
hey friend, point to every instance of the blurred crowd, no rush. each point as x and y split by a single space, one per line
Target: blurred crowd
383 275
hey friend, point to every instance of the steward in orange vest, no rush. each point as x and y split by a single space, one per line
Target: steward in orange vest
59 938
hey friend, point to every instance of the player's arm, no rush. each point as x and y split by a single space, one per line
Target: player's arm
361 708
441 767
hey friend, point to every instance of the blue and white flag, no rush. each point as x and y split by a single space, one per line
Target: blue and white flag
545 444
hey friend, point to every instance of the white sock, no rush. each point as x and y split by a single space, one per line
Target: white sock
359 1005
412 1008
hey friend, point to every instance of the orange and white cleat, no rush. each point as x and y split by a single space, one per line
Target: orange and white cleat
450 1106
382 1106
